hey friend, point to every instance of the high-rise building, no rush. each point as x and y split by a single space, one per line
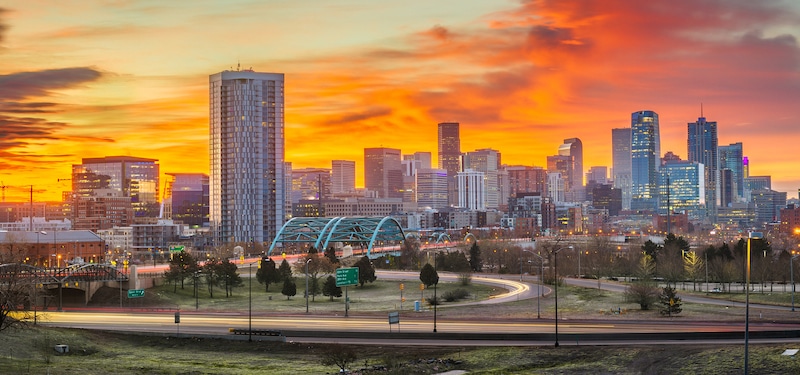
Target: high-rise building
187 198
645 160
756 183
556 190
343 176
525 179
431 188
573 148
383 172
247 182
732 157
450 157
682 188
768 204
471 190
702 148
486 161
597 174
132 177
621 160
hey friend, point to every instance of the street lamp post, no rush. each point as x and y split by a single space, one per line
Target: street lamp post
541 280
555 265
307 262
791 275
250 306
750 237
196 294
435 300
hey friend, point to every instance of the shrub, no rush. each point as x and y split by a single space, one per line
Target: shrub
455 295
465 278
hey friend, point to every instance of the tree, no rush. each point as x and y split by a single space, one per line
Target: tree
339 355
267 273
16 286
645 293
409 254
289 288
475 262
314 265
366 271
670 302
182 266
428 275
330 289
284 271
652 250
210 269
229 275
693 266
330 253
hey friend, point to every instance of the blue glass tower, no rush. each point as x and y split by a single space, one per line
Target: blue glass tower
702 148
645 160
731 157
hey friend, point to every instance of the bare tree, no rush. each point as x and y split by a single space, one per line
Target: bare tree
17 283
339 355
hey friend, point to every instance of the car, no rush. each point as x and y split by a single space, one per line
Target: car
716 290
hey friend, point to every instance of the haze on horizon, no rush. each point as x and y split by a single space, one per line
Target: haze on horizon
103 78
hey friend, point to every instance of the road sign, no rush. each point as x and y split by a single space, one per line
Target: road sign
135 293
176 249
347 276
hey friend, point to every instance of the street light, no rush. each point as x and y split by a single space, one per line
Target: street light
541 280
250 306
307 262
791 275
196 294
750 237
555 264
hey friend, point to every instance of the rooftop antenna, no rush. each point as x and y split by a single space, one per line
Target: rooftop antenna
701 109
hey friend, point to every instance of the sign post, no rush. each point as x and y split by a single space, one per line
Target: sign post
178 323
394 318
346 277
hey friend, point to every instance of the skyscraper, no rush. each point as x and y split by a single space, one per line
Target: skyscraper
732 157
343 176
383 172
682 188
187 194
645 160
450 157
573 148
702 148
247 193
486 161
431 188
621 156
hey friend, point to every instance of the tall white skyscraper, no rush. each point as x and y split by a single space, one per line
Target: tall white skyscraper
247 195
343 176
471 190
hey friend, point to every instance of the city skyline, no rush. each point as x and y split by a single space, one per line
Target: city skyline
130 79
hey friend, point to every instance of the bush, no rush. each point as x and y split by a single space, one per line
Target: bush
431 301
465 278
455 295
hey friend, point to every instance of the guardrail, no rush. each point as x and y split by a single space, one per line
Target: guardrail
256 332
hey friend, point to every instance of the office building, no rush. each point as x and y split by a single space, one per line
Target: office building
122 176
383 172
645 160
682 188
431 188
573 148
248 199
768 204
450 157
310 183
732 157
186 199
621 164
343 176
486 161
702 148
525 179
471 190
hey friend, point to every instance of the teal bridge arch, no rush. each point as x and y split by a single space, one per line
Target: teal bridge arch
323 231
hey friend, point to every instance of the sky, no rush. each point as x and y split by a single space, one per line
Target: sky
102 78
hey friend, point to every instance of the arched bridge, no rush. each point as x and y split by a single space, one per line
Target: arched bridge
86 277
322 231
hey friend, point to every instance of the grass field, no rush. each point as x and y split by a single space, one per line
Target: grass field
30 350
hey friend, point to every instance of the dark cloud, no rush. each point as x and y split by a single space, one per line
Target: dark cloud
359 116
25 85
20 107
3 26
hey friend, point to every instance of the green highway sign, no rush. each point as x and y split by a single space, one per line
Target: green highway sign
347 276
176 249
135 293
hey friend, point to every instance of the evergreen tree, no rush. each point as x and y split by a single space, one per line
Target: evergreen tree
330 289
228 276
366 271
284 271
267 273
475 262
289 288
428 275
182 266
670 302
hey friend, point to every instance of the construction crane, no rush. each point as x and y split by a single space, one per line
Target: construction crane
3 187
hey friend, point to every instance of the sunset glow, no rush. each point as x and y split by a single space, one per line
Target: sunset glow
110 78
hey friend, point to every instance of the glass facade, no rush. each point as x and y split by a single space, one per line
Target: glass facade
702 148
682 188
732 157
621 167
645 160
247 194
136 178
450 157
